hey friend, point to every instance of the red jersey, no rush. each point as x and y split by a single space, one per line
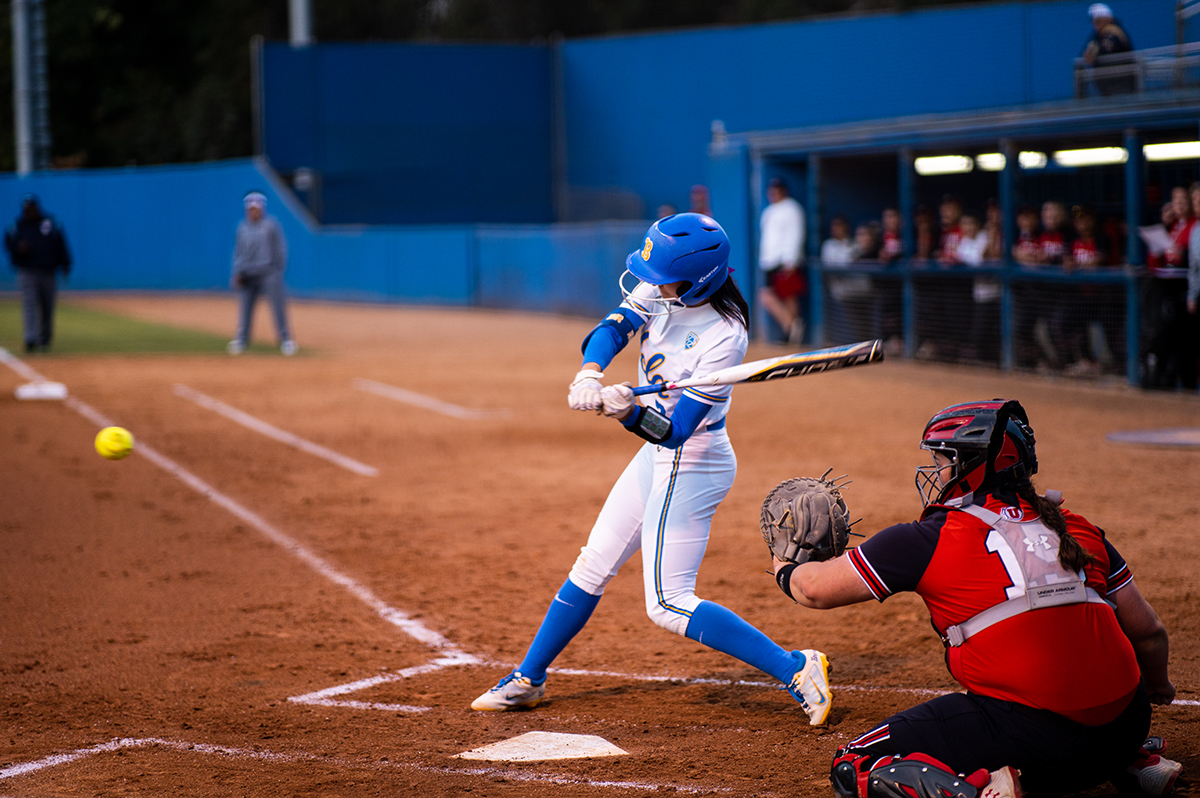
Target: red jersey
1071 659
1086 254
949 245
1177 255
1027 250
892 247
1053 245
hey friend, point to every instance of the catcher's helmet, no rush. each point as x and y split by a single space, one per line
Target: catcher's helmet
989 445
684 247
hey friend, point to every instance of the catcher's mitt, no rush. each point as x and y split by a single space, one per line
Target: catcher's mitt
806 519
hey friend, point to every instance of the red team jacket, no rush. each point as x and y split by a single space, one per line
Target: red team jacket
1073 660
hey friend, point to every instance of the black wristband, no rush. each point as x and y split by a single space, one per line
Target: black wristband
784 579
648 424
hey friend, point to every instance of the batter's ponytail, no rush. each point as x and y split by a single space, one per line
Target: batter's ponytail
729 303
1071 555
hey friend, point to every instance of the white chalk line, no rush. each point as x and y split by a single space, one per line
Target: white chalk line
508 774
271 431
426 402
399 619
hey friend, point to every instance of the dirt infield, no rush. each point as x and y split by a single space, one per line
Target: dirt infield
160 616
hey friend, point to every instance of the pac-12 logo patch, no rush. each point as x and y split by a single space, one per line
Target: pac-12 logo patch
690 341
646 249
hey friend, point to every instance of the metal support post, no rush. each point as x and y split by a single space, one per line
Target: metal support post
813 214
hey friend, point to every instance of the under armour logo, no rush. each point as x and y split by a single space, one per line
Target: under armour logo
1041 541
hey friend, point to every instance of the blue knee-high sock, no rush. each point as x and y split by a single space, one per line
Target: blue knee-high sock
722 629
568 613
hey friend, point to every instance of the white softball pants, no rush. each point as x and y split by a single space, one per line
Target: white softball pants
663 504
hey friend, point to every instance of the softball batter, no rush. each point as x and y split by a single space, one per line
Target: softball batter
692 321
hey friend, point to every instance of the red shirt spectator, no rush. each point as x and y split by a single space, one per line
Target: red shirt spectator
1053 243
1177 254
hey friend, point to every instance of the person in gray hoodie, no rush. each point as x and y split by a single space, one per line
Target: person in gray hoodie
259 258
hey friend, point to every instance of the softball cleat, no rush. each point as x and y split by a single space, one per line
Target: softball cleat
810 686
513 692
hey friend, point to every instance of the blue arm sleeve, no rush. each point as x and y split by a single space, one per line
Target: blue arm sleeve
610 337
684 421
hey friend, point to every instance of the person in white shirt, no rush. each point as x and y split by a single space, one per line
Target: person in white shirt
781 256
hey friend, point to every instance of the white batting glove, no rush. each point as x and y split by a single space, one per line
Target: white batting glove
585 391
617 399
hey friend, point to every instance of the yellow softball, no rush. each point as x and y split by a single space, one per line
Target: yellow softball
114 443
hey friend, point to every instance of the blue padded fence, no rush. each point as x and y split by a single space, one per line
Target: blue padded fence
172 228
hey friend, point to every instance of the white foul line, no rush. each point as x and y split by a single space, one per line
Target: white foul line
427 402
262 427
413 628
122 743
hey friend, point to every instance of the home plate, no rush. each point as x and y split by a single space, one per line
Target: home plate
537 746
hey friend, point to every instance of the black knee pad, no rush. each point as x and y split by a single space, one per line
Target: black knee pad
913 778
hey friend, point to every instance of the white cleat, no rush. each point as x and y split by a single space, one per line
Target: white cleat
235 347
1005 783
1155 774
289 348
513 692
810 686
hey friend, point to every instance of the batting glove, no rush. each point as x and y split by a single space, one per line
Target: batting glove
617 399
585 391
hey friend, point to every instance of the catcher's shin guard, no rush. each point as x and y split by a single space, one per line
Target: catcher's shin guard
912 776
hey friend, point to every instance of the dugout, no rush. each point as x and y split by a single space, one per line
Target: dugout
1089 152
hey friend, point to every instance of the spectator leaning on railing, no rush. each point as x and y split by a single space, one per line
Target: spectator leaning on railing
1107 40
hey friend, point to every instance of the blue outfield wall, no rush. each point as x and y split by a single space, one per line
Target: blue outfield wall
172 228
414 133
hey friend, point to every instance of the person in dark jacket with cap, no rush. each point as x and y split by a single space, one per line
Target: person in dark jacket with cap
38 249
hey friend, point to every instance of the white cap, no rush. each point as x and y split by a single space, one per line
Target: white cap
256 198
1099 10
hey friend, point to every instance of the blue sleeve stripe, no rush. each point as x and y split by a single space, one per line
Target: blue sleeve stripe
685 419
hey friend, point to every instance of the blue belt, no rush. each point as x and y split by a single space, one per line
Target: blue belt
716 425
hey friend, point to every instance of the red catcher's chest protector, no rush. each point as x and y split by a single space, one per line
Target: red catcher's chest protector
1029 552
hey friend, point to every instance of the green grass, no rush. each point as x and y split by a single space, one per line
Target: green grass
83 331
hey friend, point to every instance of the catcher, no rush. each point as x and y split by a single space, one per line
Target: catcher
1060 655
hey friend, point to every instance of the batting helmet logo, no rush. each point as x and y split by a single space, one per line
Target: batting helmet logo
646 249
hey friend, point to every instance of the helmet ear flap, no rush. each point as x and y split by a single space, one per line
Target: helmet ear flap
1026 466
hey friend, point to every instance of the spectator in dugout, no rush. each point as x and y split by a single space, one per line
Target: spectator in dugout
950 215
1180 232
1167 218
1026 250
891 239
994 227
1054 244
1087 334
923 228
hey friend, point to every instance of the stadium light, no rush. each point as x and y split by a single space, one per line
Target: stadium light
1094 156
1033 160
1175 151
994 161
990 161
944 165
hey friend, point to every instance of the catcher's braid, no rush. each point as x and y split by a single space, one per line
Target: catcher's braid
805 519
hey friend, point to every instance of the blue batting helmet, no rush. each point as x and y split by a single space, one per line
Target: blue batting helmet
687 247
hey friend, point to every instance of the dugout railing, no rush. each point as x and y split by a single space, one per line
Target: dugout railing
1089 323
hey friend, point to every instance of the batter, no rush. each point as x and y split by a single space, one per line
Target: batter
691 320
